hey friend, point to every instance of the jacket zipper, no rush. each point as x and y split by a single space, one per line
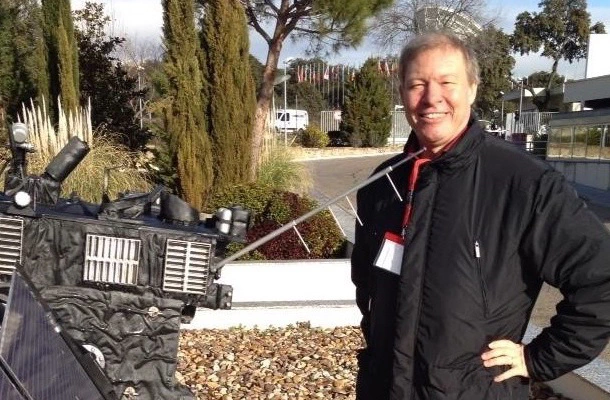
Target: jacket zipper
477 254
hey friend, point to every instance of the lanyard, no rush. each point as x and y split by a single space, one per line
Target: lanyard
419 162
406 220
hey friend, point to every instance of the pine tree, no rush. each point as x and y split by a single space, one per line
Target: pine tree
230 90
332 24
62 54
366 113
560 31
184 117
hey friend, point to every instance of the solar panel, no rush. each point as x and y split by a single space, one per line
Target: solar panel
8 390
35 353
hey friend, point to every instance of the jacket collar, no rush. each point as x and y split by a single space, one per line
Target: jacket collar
461 153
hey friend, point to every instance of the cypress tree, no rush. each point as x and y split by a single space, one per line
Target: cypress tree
22 60
230 89
184 117
62 55
7 61
366 112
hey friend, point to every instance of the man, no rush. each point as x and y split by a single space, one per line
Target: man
446 279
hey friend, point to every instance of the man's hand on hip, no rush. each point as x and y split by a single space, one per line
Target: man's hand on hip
506 352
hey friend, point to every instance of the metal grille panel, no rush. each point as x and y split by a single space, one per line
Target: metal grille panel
187 266
11 234
112 260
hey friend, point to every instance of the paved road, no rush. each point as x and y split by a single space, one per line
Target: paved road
332 177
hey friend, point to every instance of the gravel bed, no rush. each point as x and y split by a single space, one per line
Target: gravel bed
296 362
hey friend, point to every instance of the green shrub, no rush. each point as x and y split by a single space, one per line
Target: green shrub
272 209
314 137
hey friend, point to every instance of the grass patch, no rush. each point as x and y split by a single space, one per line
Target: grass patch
280 171
87 179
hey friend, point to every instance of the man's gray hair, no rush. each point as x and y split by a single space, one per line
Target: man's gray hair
435 40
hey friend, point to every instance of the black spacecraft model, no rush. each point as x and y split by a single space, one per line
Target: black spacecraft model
113 281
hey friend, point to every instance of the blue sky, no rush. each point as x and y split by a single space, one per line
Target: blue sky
142 20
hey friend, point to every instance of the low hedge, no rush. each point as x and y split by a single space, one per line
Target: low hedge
314 137
273 208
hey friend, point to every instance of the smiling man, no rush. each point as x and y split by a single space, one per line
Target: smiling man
446 279
437 92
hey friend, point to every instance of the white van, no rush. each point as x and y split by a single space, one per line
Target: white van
291 120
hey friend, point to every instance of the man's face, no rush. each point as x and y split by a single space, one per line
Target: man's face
437 96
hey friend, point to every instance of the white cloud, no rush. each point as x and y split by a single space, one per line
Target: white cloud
136 19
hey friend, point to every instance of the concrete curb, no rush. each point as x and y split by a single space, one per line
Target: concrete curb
328 153
334 156
281 293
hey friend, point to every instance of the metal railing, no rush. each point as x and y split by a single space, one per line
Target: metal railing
588 142
530 122
400 130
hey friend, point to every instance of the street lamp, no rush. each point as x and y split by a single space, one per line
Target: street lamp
520 101
140 68
286 63
277 81
502 111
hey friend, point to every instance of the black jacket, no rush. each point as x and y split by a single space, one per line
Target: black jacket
426 329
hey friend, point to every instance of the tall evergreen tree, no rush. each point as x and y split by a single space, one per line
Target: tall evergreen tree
230 89
22 59
185 122
493 49
104 79
62 55
366 112
7 60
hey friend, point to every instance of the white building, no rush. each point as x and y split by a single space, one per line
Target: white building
579 141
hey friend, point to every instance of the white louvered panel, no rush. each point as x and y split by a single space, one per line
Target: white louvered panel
11 233
187 266
111 260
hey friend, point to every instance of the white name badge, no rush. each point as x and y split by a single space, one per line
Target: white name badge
389 256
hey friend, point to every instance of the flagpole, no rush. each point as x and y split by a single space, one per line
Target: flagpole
342 85
330 86
393 111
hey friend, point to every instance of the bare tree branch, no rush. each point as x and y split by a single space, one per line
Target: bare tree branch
405 18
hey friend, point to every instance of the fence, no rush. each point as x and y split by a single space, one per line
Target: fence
330 121
528 122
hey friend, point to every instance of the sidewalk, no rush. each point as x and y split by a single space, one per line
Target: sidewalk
593 195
